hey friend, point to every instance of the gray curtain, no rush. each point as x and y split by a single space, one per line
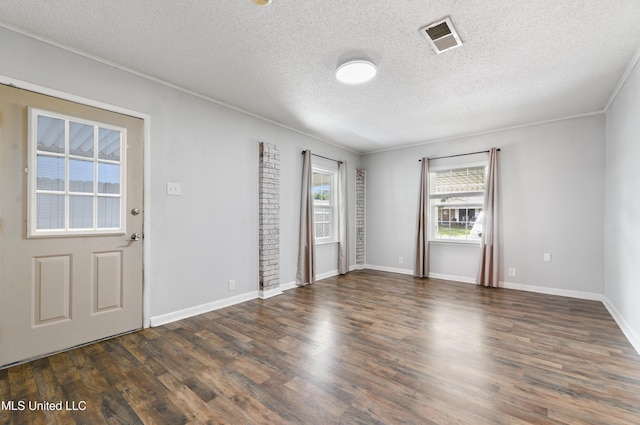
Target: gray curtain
421 263
489 262
343 225
307 243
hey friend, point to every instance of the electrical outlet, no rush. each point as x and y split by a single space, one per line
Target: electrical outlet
173 189
547 256
400 260
232 285
512 272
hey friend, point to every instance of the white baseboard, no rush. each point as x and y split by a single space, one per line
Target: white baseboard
463 279
163 319
631 335
593 296
327 275
388 269
290 285
294 284
268 293
409 272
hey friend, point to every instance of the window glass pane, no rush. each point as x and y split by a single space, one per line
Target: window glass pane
108 213
50 137
109 144
80 139
476 178
321 187
323 206
81 212
108 178
77 177
457 197
50 173
459 180
444 230
80 176
49 211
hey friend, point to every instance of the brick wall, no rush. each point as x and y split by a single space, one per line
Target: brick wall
360 216
269 206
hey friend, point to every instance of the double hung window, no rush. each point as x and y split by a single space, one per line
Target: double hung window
76 174
456 194
324 205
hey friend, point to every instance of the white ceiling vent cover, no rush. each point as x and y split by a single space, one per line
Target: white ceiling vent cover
442 35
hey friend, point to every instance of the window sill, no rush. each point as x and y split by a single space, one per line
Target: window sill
459 243
328 242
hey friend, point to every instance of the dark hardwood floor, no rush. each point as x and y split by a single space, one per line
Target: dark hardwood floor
366 348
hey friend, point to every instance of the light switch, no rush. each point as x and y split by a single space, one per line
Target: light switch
547 256
173 189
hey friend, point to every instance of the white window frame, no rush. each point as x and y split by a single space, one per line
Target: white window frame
32 170
433 206
332 205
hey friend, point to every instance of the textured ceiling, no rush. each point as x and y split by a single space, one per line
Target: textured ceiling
521 61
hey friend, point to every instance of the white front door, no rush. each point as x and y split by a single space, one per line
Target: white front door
71 192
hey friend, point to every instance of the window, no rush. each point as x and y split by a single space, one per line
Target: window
76 176
324 202
456 203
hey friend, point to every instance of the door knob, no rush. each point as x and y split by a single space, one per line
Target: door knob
135 211
136 236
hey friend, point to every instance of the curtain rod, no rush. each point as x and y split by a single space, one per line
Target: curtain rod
460 154
320 156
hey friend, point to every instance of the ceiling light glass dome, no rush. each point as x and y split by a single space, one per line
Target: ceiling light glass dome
356 72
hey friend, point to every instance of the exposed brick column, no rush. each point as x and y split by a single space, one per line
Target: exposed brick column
269 230
360 216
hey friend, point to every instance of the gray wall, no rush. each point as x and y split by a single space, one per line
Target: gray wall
622 214
209 234
552 201
553 189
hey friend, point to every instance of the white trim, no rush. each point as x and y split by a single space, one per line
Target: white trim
388 269
482 133
290 285
268 293
321 276
163 319
463 279
626 329
623 79
327 275
455 242
146 118
146 228
326 241
583 295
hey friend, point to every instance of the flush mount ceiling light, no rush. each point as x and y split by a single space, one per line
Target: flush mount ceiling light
262 2
356 72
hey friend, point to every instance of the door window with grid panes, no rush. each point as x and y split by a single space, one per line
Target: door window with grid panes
76 174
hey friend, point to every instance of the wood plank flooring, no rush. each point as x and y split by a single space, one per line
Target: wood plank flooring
365 348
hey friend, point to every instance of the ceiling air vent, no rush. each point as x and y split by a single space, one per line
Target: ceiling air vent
442 35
